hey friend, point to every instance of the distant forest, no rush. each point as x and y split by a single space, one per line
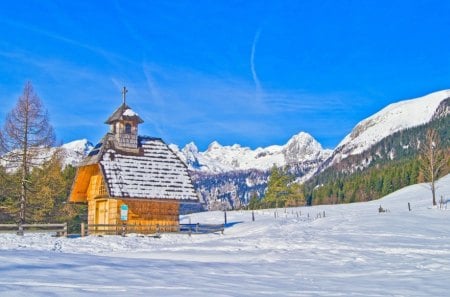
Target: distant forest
395 163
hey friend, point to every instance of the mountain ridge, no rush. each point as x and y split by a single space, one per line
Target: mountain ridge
233 173
219 159
389 120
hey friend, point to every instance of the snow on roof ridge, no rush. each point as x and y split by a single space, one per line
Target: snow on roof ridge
130 113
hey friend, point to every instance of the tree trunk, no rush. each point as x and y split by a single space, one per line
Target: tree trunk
433 192
23 200
23 192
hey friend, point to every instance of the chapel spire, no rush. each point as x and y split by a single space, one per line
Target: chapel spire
124 124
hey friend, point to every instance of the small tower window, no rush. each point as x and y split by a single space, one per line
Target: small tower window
127 128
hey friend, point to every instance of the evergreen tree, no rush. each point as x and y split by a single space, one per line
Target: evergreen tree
277 187
48 194
282 190
254 202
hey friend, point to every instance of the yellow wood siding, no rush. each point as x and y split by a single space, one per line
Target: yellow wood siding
150 215
96 187
91 212
101 212
82 182
152 212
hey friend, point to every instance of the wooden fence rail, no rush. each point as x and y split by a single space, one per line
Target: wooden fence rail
60 229
123 229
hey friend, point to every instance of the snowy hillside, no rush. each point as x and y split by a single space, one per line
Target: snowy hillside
75 151
72 153
395 117
351 251
217 158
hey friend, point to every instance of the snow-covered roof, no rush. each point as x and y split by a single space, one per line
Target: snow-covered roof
152 171
130 113
124 112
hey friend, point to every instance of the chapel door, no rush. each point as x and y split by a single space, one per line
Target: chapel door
101 213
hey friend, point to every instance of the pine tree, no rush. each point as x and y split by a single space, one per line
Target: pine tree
276 188
254 202
49 193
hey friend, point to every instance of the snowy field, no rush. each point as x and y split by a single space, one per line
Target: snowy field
353 251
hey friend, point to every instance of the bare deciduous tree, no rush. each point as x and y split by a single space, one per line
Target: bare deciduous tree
26 131
432 160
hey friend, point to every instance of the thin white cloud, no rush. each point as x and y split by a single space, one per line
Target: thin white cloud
252 62
107 55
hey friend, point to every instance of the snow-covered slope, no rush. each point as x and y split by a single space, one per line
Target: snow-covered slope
395 117
217 158
75 151
351 251
72 153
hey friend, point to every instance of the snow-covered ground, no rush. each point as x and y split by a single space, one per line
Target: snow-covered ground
353 251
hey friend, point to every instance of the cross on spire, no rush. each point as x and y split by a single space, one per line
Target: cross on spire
124 94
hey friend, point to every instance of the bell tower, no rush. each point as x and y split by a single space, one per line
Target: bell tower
124 124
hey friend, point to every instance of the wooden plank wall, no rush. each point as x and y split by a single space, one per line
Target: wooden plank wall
82 181
153 212
140 212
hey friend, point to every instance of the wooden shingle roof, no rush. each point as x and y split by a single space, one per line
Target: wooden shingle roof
152 171
121 114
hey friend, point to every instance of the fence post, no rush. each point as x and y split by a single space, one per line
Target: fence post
65 230
124 227
409 206
253 215
225 216
82 229
20 229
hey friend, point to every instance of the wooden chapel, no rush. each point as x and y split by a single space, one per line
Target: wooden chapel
138 173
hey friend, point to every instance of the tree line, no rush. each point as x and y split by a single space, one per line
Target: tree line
33 185
343 185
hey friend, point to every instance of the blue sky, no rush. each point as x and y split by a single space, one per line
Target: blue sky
247 72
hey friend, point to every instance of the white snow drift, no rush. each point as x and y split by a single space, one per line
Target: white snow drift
351 251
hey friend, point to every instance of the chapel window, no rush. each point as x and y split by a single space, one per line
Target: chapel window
127 128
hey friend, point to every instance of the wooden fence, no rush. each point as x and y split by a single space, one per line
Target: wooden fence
60 229
123 229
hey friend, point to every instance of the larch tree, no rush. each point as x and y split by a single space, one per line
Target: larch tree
432 160
26 132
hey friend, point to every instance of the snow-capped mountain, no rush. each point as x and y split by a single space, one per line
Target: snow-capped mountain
391 119
72 153
75 151
231 174
219 159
